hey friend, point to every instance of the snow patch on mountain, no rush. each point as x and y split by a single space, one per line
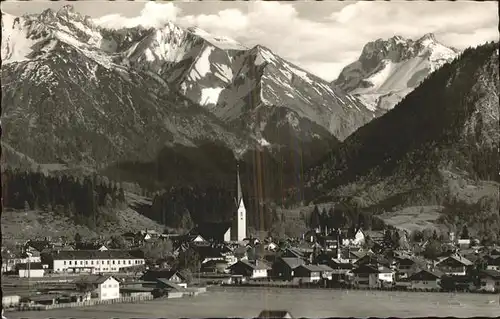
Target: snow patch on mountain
223 72
16 45
220 42
263 55
210 95
202 65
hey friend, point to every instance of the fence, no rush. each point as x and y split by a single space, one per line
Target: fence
100 302
86 303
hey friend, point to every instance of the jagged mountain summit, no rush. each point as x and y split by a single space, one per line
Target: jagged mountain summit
387 70
65 101
440 142
63 75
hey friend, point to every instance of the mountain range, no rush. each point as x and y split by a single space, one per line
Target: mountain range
128 93
169 106
387 70
439 145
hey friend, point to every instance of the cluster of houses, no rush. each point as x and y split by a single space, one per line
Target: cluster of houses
334 260
41 257
330 259
317 258
91 271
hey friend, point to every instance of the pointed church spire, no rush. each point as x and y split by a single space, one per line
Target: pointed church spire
240 193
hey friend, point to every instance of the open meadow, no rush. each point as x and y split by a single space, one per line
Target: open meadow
312 303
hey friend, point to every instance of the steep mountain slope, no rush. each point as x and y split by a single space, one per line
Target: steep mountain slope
185 72
166 107
388 70
439 144
68 104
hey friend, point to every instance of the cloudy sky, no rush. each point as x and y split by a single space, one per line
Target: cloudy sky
321 37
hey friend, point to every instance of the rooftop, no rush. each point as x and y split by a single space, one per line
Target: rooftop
92 254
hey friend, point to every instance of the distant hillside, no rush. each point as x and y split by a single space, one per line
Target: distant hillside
439 145
29 224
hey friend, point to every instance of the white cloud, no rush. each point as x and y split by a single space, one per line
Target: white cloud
325 45
153 15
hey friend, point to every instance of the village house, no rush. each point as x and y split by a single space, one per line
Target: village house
214 232
373 260
426 279
100 287
371 276
493 262
307 274
341 270
31 270
353 238
489 280
275 314
31 254
93 261
271 246
464 243
253 270
170 275
284 267
330 242
215 266
38 245
386 275
405 266
293 253
149 234
326 272
8 260
454 265
366 277
208 253
351 256
376 236
310 236
495 252
90 246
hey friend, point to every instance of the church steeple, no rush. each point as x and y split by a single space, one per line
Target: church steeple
240 231
239 197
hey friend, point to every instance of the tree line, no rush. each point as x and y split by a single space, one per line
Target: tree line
342 215
87 200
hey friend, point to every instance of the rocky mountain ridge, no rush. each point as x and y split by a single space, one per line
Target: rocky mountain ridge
440 144
387 70
251 91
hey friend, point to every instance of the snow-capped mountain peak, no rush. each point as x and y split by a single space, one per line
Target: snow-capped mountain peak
388 70
253 91
427 38
221 42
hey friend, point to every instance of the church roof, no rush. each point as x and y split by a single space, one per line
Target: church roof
211 230
239 195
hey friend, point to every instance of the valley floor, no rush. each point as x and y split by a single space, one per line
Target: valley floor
249 302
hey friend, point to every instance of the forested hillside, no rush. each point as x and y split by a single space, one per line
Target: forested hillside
88 201
437 146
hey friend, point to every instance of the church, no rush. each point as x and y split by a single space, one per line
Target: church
235 230
239 226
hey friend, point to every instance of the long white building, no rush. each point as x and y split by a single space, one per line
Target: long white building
94 261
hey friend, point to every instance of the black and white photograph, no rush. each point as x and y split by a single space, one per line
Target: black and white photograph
250 159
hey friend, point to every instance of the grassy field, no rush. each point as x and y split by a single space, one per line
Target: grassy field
312 303
411 218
